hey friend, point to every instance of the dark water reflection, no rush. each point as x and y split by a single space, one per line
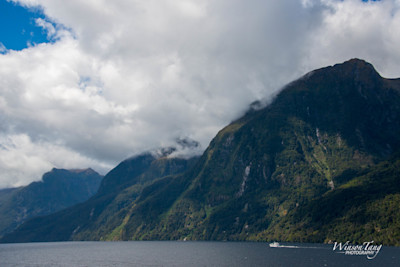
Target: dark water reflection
173 253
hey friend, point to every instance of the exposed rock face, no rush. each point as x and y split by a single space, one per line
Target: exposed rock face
321 162
58 189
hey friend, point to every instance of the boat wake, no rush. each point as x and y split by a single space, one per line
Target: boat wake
277 245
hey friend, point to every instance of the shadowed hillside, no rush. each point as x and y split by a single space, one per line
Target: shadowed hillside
58 189
320 163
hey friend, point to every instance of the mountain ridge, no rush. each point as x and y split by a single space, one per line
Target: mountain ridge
58 189
332 134
215 192
107 208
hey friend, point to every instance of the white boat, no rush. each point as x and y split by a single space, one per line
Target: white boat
274 245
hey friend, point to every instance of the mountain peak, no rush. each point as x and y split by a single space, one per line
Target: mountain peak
84 171
87 171
358 70
355 65
355 61
285 172
58 189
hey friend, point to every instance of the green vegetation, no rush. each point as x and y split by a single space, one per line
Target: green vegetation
57 190
320 163
103 216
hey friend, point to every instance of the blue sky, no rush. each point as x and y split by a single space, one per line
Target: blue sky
18 28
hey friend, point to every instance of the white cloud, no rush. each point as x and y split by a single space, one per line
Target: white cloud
130 76
3 49
54 31
365 30
23 161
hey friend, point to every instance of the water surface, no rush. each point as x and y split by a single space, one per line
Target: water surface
175 253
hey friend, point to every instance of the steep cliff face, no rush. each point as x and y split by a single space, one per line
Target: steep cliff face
58 189
97 218
314 165
320 134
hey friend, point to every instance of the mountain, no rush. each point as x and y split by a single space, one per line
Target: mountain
326 137
318 164
101 216
57 190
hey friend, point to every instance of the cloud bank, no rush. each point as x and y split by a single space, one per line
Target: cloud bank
123 77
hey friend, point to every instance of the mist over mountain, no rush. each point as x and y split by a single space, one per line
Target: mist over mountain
320 163
57 190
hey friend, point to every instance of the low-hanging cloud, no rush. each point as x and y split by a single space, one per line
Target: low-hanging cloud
123 77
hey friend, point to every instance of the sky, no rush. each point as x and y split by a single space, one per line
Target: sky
91 83
18 27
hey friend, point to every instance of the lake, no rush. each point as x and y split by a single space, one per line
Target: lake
176 253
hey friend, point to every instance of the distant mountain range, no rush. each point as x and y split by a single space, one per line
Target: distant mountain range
320 163
57 190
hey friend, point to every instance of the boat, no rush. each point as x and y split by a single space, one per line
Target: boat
274 245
